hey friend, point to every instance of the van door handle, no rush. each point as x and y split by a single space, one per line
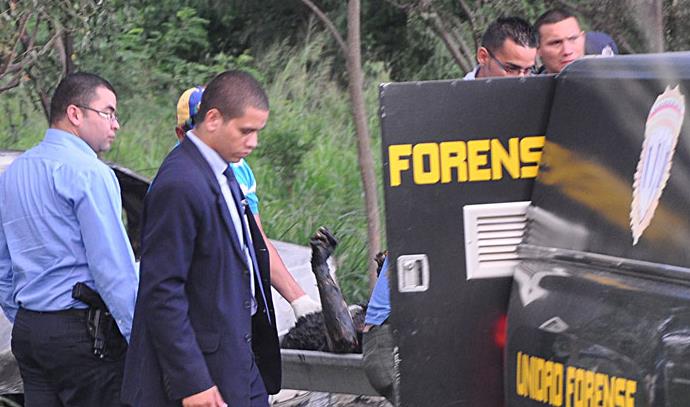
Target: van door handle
413 273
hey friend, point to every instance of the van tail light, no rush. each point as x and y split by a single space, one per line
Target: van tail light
500 331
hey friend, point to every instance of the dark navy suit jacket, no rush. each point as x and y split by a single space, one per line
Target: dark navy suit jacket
192 326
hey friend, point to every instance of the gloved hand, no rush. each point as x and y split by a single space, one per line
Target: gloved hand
304 305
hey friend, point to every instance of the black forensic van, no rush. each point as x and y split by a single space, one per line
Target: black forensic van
599 313
539 239
539 230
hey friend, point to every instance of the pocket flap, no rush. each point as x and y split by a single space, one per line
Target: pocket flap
208 341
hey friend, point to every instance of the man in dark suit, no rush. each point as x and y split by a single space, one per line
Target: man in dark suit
204 327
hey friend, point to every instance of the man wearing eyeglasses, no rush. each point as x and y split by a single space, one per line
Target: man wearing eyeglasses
508 48
60 224
561 40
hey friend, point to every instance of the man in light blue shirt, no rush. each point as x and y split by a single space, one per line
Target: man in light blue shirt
60 224
377 343
379 307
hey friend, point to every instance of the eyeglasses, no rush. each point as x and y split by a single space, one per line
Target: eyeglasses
510 68
112 116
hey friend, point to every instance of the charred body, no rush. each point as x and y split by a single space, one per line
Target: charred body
309 332
333 329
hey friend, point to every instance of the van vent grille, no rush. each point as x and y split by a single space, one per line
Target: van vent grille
492 235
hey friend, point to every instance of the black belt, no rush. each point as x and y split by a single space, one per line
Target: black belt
78 312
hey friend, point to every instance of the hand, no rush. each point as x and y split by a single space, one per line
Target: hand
304 305
207 398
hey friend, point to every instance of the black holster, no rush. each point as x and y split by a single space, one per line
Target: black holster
108 342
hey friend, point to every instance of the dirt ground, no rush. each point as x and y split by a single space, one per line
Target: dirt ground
314 399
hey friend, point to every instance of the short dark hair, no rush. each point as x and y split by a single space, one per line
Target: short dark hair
503 28
75 89
554 16
231 92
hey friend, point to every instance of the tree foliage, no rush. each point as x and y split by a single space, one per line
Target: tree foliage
351 48
153 49
190 39
638 26
39 39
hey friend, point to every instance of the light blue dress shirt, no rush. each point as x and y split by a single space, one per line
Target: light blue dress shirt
379 308
60 223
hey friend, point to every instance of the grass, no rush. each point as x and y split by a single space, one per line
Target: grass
306 165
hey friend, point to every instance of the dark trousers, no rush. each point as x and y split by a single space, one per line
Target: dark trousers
379 361
55 356
257 392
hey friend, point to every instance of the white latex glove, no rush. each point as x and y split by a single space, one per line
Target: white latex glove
304 305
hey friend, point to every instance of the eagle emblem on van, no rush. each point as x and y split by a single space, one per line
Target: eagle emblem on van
654 167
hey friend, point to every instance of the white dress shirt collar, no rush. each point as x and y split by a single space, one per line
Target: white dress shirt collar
218 165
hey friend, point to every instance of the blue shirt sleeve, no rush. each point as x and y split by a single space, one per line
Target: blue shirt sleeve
379 308
245 177
95 195
6 288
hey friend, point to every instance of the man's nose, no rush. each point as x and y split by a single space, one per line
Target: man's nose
568 48
253 140
115 124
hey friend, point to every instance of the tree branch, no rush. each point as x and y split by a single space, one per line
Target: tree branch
463 61
13 53
572 6
359 115
16 64
33 54
28 41
328 23
467 10
472 19
404 7
43 97
624 44
12 83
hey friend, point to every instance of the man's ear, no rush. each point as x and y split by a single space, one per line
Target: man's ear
213 119
483 56
180 133
74 115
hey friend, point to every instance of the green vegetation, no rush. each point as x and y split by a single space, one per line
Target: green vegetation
306 164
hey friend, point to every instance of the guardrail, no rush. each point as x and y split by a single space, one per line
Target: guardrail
325 372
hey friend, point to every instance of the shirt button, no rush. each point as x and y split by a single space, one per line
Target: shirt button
248 337
245 272
247 304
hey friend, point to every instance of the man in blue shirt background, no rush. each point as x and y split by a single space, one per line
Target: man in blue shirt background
377 342
60 223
